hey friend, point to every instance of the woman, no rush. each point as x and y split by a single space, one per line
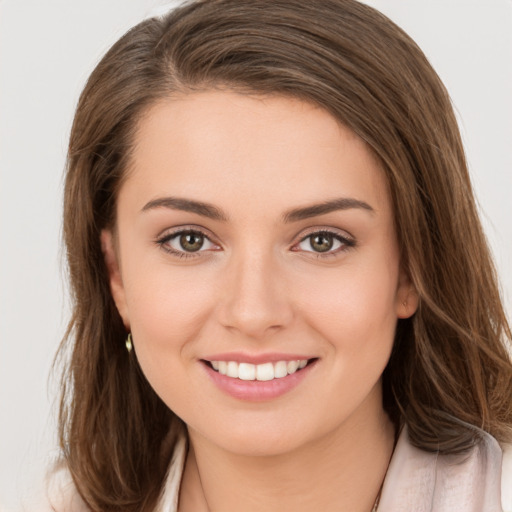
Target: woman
283 295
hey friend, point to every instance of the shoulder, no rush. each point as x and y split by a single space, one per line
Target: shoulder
168 501
472 481
60 493
506 478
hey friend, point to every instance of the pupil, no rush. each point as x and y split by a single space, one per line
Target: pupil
322 243
191 242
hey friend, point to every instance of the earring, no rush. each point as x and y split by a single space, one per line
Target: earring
128 342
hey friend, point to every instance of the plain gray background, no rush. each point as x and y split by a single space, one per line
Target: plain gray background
47 50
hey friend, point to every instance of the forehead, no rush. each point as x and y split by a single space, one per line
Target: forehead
226 146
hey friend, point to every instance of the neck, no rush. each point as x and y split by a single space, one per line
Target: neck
341 471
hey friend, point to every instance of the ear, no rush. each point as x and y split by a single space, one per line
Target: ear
407 298
114 273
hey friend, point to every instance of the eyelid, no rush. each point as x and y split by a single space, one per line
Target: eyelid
322 229
168 232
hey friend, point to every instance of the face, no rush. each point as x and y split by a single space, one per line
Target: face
255 236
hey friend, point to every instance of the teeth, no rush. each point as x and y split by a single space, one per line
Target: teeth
264 371
232 369
261 372
246 371
281 369
292 366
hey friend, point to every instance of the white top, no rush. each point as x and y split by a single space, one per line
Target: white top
416 481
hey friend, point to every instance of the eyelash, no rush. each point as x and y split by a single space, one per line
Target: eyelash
163 241
347 243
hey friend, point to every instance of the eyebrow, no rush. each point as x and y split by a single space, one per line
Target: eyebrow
294 215
342 203
187 205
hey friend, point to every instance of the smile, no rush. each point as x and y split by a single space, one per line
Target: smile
257 377
260 372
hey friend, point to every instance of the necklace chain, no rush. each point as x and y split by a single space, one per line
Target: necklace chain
377 499
374 508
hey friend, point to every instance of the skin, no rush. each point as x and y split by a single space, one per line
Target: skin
258 285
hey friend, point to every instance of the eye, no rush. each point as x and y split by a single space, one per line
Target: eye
186 242
325 243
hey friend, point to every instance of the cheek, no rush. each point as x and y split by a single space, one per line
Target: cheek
354 309
167 310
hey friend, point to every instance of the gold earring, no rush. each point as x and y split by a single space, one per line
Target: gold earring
128 342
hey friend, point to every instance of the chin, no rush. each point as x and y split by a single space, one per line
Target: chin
262 444
264 435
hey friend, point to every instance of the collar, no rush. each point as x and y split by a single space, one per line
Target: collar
431 482
416 480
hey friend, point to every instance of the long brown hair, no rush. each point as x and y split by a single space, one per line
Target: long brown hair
449 372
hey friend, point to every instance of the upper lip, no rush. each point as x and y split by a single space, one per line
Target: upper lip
241 357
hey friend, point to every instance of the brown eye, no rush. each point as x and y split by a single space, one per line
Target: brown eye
321 242
191 242
325 243
187 242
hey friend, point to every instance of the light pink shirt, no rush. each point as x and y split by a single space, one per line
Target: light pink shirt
417 481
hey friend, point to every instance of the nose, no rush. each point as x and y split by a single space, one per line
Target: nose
255 300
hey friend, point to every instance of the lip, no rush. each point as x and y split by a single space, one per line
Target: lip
241 357
257 391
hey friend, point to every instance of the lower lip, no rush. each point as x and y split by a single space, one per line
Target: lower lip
255 390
